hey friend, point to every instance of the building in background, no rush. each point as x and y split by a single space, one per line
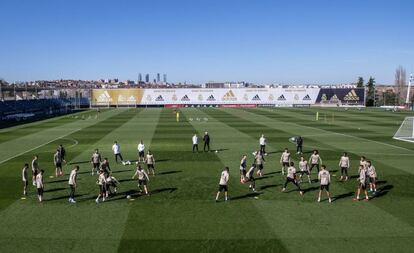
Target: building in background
139 78
147 78
164 77
158 77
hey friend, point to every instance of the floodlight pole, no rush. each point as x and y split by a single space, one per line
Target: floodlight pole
407 99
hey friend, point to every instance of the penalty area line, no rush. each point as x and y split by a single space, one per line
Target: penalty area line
22 153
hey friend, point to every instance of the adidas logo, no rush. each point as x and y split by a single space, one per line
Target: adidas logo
229 96
159 98
256 98
131 99
211 98
121 98
281 98
334 98
185 98
307 97
104 97
351 96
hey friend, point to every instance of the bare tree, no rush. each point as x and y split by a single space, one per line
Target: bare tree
400 84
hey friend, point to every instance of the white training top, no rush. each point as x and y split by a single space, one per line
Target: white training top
116 148
142 175
195 139
324 177
362 175
291 171
72 177
24 174
285 157
303 165
101 179
141 147
39 181
315 158
259 159
262 141
371 171
224 178
344 162
363 163
150 159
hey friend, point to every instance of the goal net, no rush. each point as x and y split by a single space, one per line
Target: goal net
406 130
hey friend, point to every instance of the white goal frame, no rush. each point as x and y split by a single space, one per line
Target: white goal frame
408 138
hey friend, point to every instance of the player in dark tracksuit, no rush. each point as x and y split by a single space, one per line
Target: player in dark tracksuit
299 144
206 140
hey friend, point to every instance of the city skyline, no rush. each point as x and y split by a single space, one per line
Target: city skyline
321 42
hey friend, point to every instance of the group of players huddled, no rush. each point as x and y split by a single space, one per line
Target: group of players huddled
108 183
367 174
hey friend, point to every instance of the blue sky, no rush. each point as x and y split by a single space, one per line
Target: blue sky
207 40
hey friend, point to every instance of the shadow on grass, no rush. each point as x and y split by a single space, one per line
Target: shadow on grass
274 152
137 194
126 180
64 197
162 160
80 162
170 190
169 172
55 189
269 186
248 195
310 189
57 181
342 196
219 150
382 191
119 171
271 173
264 177
86 172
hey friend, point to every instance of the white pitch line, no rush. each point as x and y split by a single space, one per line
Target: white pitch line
75 142
60 137
352 136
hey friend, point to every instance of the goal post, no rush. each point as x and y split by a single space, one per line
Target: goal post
406 130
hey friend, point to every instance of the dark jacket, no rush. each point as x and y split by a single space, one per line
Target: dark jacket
206 138
299 141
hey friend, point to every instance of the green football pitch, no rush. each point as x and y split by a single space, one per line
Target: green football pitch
181 214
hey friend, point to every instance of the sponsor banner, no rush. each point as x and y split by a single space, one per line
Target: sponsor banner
117 96
238 106
231 96
242 96
266 105
341 96
173 106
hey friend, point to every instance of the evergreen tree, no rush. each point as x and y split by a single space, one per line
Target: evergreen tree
360 82
370 99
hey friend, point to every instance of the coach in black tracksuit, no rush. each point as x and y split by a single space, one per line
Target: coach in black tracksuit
299 144
206 140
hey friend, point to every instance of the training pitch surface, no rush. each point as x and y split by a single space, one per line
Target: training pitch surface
181 215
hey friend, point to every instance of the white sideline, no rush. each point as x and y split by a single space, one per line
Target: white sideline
60 137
